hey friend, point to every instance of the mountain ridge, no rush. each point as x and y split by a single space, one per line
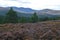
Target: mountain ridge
28 11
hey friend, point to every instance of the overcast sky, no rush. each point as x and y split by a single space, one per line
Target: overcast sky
34 4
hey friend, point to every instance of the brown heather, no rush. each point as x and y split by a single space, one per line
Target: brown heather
49 30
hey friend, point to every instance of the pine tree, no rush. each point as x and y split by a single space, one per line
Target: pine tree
23 20
11 16
34 18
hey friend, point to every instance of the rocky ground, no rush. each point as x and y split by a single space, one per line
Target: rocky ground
49 30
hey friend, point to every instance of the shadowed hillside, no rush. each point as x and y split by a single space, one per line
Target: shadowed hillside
49 30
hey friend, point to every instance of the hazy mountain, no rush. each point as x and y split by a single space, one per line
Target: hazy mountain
3 10
49 11
24 10
28 12
20 11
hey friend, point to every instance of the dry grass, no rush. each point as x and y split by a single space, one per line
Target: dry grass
31 31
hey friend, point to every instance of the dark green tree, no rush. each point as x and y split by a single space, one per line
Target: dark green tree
45 19
1 19
23 20
11 16
34 18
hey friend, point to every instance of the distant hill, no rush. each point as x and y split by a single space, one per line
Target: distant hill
3 11
20 11
24 10
48 11
28 11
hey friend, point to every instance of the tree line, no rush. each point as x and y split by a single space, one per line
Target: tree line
11 17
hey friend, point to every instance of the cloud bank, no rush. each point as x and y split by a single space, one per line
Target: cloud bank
34 4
